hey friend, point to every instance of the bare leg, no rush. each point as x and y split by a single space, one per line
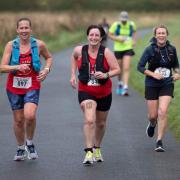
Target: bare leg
30 118
152 111
126 69
100 127
18 126
89 111
164 102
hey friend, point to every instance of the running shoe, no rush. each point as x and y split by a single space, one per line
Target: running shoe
31 152
159 146
88 160
119 90
124 92
150 129
97 155
20 155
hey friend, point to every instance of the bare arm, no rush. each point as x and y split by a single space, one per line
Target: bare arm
116 38
113 65
75 55
112 62
48 60
134 37
5 67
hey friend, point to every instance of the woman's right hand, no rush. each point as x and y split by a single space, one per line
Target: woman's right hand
23 68
158 76
73 81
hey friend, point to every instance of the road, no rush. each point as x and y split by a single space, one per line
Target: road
129 154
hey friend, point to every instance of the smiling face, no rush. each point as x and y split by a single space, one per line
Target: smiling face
94 37
161 36
24 29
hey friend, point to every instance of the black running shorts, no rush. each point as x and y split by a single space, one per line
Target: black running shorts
153 93
121 54
103 104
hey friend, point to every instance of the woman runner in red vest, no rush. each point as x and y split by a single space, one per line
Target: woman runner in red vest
96 65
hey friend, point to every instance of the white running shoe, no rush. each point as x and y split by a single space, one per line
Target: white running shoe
31 152
20 155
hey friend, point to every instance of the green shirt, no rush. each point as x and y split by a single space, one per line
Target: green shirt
126 31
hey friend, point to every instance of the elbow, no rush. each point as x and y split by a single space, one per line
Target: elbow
1 69
140 68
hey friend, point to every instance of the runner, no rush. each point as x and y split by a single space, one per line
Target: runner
96 65
21 59
123 33
163 69
105 26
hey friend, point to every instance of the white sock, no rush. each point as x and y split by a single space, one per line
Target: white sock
125 86
29 142
120 83
21 147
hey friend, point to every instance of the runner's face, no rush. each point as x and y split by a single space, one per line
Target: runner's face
24 29
94 37
161 36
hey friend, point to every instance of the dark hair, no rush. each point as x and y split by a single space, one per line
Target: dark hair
160 26
101 30
23 19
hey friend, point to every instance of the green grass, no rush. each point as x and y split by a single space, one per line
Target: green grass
63 40
137 79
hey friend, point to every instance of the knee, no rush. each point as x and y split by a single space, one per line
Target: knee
162 113
153 117
126 69
29 117
19 122
89 121
101 124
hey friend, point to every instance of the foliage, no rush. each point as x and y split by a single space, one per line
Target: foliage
51 5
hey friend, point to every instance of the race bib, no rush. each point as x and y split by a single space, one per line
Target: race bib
93 81
163 71
21 82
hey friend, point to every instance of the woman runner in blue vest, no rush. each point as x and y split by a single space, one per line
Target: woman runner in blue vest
21 59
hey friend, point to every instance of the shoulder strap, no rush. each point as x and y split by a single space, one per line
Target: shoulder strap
15 52
118 28
85 58
35 54
131 30
100 58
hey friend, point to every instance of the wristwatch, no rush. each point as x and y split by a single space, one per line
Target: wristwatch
47 69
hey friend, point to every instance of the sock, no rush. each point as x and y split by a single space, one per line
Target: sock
120 83
88 149
95 147
125 86
21 147
29 142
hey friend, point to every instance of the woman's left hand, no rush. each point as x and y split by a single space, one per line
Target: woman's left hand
100 75
176 76
42 74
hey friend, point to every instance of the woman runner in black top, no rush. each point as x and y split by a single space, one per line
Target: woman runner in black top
162 71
